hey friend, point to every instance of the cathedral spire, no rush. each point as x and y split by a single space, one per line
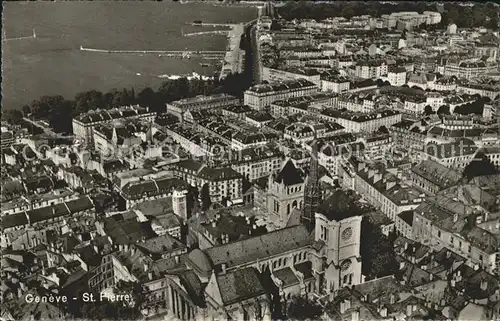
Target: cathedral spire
312 192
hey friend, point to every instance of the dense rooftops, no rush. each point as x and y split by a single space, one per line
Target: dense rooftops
94 116
281 86
358 117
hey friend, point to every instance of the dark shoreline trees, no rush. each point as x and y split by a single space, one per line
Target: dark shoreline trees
58 112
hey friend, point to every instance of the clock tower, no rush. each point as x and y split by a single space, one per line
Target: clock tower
338 225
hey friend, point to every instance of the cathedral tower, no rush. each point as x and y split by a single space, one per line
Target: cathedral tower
312 192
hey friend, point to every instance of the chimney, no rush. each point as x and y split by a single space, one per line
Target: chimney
150 276
453 283
145 267
455 217
214 223
484 284
393 298
406 245
401 265
176 259
431 277
223 268
383 312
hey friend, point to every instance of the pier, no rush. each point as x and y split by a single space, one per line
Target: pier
205 54
202 33
4 38
203 24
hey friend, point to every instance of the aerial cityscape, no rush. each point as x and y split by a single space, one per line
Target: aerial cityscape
250 160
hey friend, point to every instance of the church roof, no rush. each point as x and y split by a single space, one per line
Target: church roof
340 205
290 175
260 247
200 260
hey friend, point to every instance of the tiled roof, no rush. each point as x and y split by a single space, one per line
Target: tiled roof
239 285
438 174
264 246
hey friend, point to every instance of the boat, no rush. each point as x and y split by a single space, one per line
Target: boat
203 64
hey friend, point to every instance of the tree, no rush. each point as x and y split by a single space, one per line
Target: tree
205 197
383 129
301 308
26 110
12 116
428 110
480 166
444 110
377 251
88 100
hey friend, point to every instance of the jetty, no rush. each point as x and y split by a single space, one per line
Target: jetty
4 37
205 54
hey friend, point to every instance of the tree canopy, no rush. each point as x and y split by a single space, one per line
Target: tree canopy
377 251
480 166
302 308
205 197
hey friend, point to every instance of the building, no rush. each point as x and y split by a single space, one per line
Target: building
260 96
179 107
84 124
360 122
433 177
335 83
396 76
484 88
383 189
469 69
286 257
457 154
224 183
277 75
442 222
371 69
285 193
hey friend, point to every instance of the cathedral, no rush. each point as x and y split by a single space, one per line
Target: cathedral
240 280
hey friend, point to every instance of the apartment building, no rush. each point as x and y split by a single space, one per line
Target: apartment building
335 83
484 88
283 108
371 69
83 125
359 122
179 107
223 182
442 222
382 189
396 76
261 96
469 69
277 75
433 177
457 154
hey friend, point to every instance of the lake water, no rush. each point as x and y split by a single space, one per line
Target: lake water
52 63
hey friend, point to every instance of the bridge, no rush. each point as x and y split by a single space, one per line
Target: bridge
206 54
